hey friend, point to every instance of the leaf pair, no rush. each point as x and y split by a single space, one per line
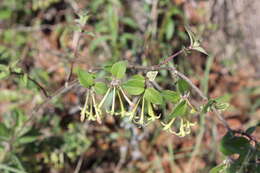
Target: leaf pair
194 42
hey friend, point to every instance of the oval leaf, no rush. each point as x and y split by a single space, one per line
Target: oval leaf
179 110
85 79
153 96
118 69
171 96
183 86
231 144
100 87
3 130
135 85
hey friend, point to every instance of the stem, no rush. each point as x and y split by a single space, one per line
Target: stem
34 81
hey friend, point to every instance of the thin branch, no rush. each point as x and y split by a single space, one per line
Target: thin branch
77 39
33 80
200 93
171 57
79 164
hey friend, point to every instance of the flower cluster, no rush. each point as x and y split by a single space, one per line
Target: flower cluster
118 100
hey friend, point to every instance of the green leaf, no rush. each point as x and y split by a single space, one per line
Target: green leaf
27 139
153 96
85 79
171 96
200 49
129 21
118 69
231 144
10 169
169 29
5 14
179 110
217 169
221 106
206 108
191 36
100 87
25 79
3 75
3 130
250 130
135 85
183 86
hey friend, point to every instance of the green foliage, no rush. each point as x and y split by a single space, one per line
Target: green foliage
248 154
171 96
183 86
54 139
118 69
135 85
153 96
86 79
179 110
100 87
231 144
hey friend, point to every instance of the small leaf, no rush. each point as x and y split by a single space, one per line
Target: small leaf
3 75
129 21
26 139
171 96
135 85
183 86
153 96
200 49
217 169
169 29
100 87
3 130
221 106
206 108
179 110
191 36
250 130
85 79
118 69
25 79
151 75
231 144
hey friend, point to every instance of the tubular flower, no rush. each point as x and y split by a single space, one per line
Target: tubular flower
90 111
185 127
147 113
117 93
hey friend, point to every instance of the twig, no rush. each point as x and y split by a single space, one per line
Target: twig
34 81
77 169
171 57
77 39
198 91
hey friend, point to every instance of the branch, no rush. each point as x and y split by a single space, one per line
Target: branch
34 81
200 93
76 43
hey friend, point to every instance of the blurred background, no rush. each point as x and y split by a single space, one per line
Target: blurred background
37 41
